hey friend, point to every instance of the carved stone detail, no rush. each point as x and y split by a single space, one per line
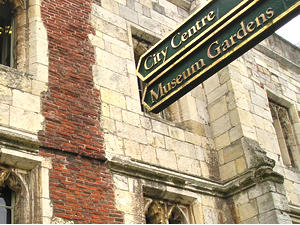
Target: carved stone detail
285 132
4 174
165 212
14 184
20 3
256 156
273 110
261 165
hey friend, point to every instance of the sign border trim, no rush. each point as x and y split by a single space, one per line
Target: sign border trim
276 20
244 10
190 43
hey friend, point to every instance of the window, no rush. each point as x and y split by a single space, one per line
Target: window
285 133
141 43
165 212
22 198
6 198
6 206
6 33
140 47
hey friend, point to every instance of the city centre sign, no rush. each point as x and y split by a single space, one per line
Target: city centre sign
194 29
210 53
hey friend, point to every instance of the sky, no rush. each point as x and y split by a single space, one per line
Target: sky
291 31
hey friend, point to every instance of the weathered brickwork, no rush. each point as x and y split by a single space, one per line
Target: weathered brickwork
80 187
71 107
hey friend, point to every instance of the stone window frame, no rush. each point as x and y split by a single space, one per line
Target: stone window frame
295 129
174 112
33 193
185 200
7 31
164 209
141 42
3 177
20 36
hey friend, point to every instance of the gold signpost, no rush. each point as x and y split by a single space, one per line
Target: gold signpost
234 36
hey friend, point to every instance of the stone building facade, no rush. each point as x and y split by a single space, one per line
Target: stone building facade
76 146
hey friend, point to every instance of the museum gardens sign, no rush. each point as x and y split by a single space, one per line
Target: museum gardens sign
206 42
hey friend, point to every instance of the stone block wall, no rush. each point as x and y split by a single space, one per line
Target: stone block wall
23 85
276 78
183 144
130 193
264 203
127 130
242 91
20 101
205 135
74 98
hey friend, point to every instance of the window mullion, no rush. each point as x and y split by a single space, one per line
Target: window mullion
12 41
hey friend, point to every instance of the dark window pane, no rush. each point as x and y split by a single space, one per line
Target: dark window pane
5 200
5 32
5 197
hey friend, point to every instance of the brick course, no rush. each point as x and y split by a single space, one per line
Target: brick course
81 189
80 184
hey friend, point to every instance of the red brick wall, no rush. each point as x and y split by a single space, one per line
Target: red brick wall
81 189
80 184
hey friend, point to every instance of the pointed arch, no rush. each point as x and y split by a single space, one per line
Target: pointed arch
165 212
11 181
178 215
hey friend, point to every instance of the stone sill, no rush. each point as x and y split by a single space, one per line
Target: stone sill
11 70
16 139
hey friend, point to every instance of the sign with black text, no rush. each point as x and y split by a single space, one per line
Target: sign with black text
235 36
194 29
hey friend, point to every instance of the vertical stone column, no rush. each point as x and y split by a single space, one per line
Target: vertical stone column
295 117
232 100
38 61
45 201
20 37
264 203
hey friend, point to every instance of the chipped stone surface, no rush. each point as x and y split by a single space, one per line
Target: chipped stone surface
202 135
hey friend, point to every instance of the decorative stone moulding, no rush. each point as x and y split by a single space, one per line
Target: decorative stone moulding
7 176
18 141
4 174
260 170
